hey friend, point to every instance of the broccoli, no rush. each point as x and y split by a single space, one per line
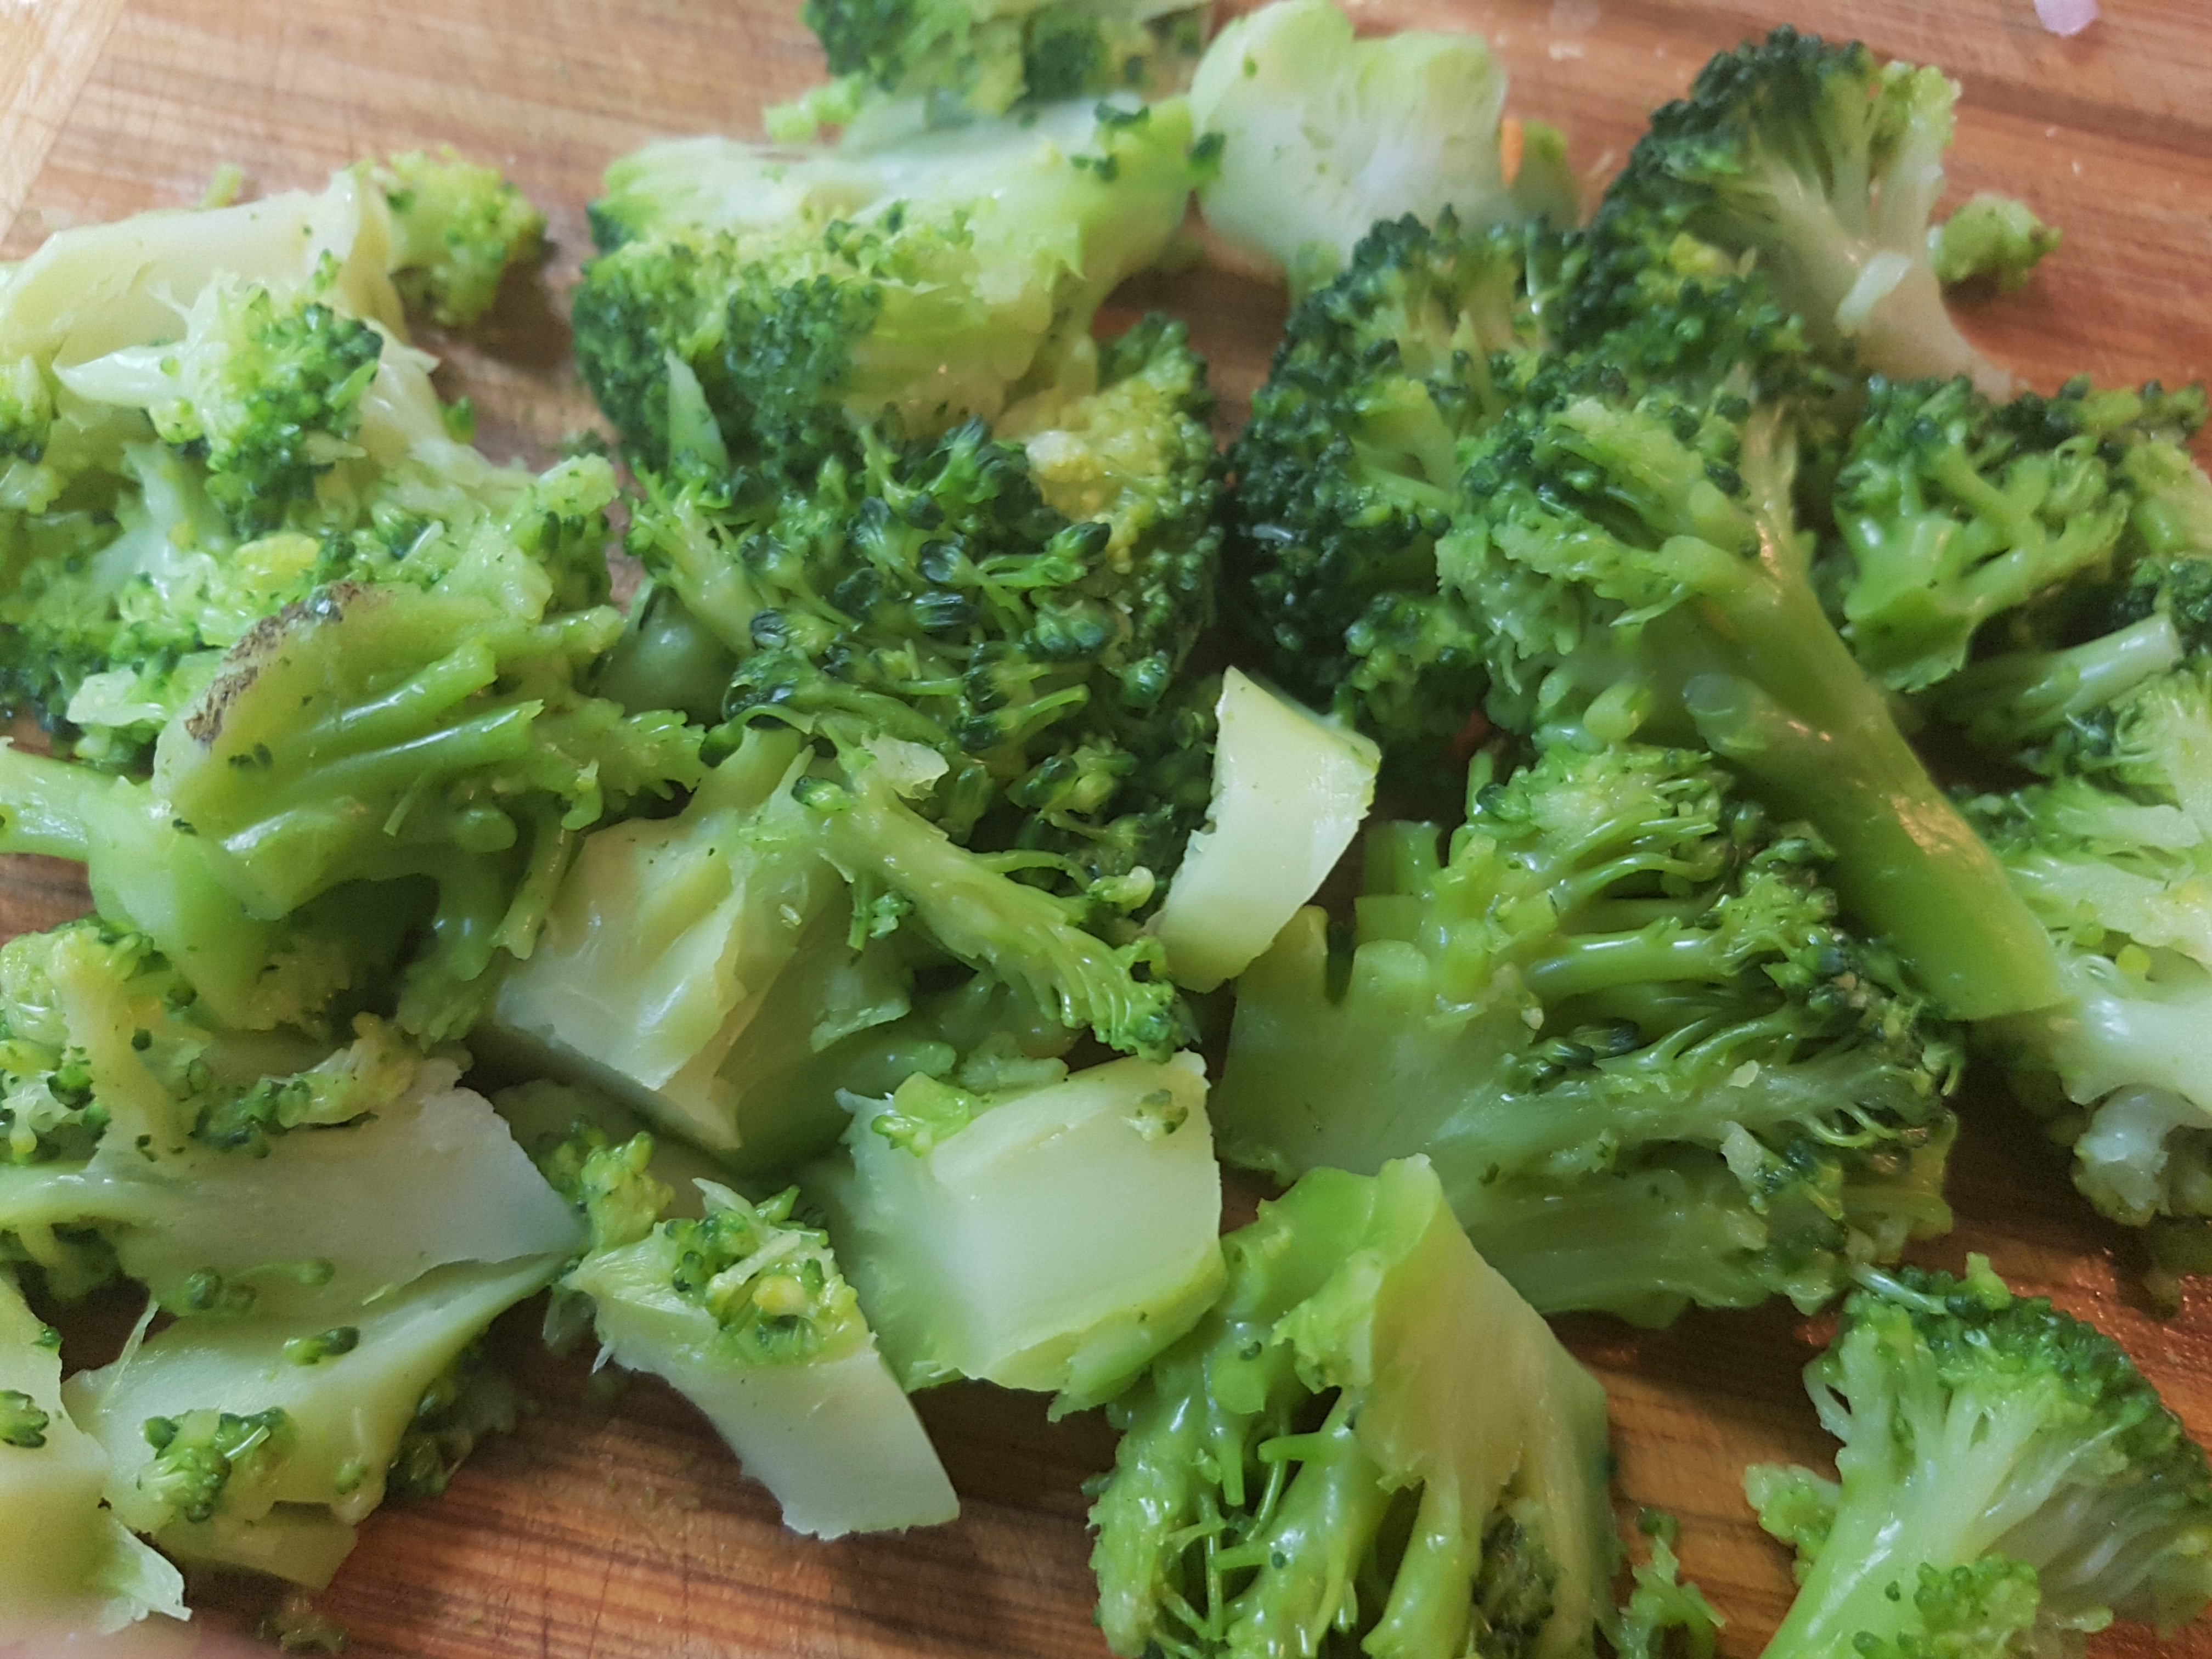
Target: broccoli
1290 790
2114 853
752 306
456 229
226 1449
942 63
1056 1236
231 1170
1348 473
2007 1480
61 1547
1321 137
743 1310
1990 239
1320 1454
1619 1017
1821 164
1954 509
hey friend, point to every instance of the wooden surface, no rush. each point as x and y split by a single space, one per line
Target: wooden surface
616 1528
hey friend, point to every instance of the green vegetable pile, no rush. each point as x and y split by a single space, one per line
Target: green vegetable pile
840 957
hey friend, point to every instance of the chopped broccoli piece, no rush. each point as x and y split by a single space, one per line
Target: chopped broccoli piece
1823 165
1290 790
1322 135
62 1553
744 1311
2008 1481
1310 1459
1664 1614
1053 1237
1993 239
456 230
1621 1018
225 1453
763 307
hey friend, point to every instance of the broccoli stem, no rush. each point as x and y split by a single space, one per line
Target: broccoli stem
2005 701
1907 863
47 806
1322 1528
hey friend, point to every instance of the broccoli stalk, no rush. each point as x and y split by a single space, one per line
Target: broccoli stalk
61 1548
745 1312
1331 1402
262 1441
1621 1019
1053 1237
2006 1480
1322 135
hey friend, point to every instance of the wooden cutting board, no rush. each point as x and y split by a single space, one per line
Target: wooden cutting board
614 1526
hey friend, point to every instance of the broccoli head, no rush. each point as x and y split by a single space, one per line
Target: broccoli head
456 229
2006 1481
1621 1018
756 306
1991 240
1822 164
1370 1434
1323 136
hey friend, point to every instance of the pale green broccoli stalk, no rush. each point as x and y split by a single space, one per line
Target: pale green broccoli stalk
1990 239
1370 1434
63 1551
1290 790
943 62
456 229
1053 1237
1822 164
1618 1015
2008 1481
745 1313
764 305
262 1441
229 1170
1953 509
1320 136
2114 853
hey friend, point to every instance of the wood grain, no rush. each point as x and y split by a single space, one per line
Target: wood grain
615 1528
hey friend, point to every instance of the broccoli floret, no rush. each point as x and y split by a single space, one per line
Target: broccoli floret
744 1311
62 1551
1823 165
943 62
1623 986
1348 473
1954 509
1308 1460
2007 1480
471 1398
1664 1614
1322 135
2114 853
761 307
227 1451
1054 1237
456 230
1990 239
1024 603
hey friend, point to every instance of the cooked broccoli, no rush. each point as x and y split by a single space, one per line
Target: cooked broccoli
1621 1018
1991 239
902 64
1322 135
2115 853
1348 473
1663 1614
62 1551
744 1311
1311 1460
753 305
226 1451
1055 1236
456 229
1821 164
2008 1481
228 1170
